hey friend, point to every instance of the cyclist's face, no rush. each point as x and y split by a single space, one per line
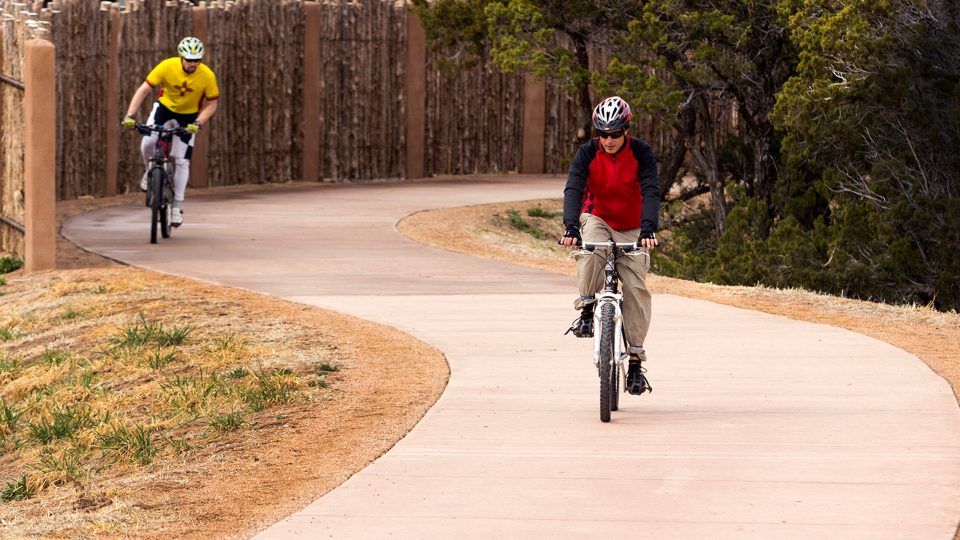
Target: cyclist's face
189 65
612 141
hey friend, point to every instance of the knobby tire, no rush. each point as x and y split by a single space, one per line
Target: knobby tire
166 207
615 383
607 366
156 200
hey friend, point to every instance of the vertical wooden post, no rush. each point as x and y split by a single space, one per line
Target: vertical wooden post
198 160
113 98
310 159
40 155
415 88
534 125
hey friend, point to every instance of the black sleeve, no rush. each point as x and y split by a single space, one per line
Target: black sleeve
649 187
576 184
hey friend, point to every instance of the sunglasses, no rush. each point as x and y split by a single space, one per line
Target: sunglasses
610 134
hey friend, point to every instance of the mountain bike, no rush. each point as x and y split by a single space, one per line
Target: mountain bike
160 178
609 351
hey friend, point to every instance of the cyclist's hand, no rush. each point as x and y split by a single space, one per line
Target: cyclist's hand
571 236
129 122
648 240
194 127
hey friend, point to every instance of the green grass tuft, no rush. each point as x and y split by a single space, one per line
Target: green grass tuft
9 415
175 336
67 465
70 314
9 264
10 364
517 222
136 335
541 212
7 334
238 373
18 490
325 368
226 422
67 421
124 443
159 358
55 357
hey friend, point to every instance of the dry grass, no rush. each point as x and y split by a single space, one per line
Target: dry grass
151 406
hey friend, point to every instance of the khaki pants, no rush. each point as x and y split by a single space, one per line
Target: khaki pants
632 270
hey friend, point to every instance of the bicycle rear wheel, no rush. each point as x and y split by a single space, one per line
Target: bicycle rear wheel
608 371
156 201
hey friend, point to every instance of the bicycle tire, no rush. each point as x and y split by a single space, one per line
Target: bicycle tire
156 199
166 207
607 365
615 388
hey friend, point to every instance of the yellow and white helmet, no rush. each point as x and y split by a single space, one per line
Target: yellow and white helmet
190 48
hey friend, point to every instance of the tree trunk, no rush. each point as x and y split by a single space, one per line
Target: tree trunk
671 166
703 148
762 177
583 88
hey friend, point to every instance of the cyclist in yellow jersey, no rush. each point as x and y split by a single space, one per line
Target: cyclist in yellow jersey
188 97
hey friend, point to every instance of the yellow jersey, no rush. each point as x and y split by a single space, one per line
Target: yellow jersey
183 92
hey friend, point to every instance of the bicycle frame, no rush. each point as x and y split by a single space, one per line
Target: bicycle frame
160 191
610 295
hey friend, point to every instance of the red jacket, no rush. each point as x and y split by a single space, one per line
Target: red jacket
622 189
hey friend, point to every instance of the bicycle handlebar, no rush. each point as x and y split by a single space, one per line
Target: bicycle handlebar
627 247
146 129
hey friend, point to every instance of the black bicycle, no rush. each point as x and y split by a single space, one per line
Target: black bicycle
609 351
160 178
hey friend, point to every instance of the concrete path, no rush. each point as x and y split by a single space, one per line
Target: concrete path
759 426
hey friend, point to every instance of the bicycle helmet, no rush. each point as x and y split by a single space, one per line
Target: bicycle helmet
191 48
611 114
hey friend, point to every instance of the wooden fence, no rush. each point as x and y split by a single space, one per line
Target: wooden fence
13 36
473 120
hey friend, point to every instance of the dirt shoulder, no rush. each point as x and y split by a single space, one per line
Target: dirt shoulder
485 231
227 484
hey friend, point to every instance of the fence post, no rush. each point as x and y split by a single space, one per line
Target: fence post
112 151
415 88
310 159
40 155
534 125
198 159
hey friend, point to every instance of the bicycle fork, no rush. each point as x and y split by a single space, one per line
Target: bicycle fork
613 299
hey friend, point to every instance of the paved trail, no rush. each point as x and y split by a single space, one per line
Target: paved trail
759 426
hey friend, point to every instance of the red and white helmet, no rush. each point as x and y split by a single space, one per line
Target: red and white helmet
611 114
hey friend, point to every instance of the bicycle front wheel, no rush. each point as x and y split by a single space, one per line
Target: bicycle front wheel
166 208
608 371
156 201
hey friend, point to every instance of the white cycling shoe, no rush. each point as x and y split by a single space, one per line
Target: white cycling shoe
144 179
176 217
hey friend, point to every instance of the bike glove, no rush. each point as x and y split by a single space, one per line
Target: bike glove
573 232
646 235
194 127
129 122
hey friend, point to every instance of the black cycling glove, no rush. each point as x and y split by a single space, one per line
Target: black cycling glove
573 232
644 235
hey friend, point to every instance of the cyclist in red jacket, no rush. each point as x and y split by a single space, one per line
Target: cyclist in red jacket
613 191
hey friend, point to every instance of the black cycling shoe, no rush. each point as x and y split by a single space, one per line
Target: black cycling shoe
637 382
583 326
